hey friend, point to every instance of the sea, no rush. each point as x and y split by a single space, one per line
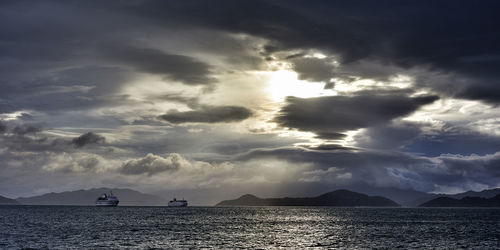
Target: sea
81 227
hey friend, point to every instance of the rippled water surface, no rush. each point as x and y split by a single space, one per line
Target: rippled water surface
64 227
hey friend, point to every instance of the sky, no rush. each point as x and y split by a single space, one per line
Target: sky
214 99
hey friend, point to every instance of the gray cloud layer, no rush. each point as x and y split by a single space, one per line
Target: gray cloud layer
209 114
359 30
386 169
389 136
76 66
88 138
313 69
336 114
176 67
25 129
3 127
152 164
391 38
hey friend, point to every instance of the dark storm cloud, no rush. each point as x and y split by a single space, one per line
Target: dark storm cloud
390 136
70 88
330 147
327 70
209 114
88 138
52 56
30 138
313 69
445 36
334 114
25 129
455 140
3 127
330 135
6 107
192 102
483 92
52 60
406 34
176 67
448 37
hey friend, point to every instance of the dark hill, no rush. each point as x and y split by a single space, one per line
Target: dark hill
88 197
487 193
420 199
464 202
405 197
340 198
7 201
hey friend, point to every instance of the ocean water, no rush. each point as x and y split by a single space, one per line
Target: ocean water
76 227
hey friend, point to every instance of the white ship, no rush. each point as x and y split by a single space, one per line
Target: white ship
107 200
178 203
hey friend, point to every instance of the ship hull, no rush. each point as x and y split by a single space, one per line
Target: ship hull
178 204
106 203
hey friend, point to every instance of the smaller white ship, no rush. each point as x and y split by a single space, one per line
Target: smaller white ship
178 203
107 200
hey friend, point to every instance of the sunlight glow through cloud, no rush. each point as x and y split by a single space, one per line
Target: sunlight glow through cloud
283 83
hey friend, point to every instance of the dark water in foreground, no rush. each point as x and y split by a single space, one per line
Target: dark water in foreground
64 227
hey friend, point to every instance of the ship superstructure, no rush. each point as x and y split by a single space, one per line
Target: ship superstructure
107 200
177 203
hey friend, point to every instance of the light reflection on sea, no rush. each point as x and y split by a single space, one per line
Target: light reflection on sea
66 227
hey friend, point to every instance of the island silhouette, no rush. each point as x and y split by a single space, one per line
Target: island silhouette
467 201
339 198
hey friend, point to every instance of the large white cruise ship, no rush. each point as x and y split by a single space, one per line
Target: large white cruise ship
107 200
178 203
